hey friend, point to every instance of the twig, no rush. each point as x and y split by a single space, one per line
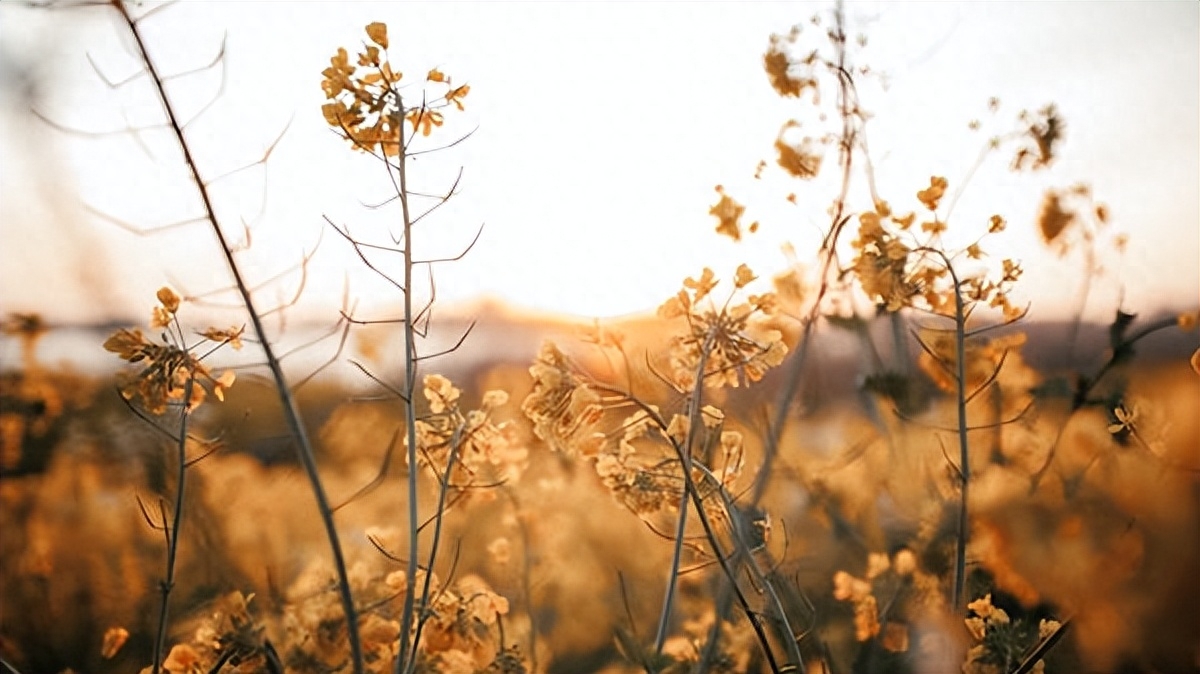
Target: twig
291 411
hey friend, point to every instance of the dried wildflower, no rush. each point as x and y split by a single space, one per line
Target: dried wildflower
743 276
1125 418
734 351
168 370
561 406
441 393
456 95
424 120
934 226
882 264
643 489
231 336
1001 642
365 104
114 639
1053 219
1043 131
933 194
788 77
377 31
801 158
728 213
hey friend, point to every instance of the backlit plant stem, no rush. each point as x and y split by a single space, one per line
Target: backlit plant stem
964 457
664 618
172 533
410 410
287 401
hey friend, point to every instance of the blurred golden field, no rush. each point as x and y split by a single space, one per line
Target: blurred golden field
878 454
1109 538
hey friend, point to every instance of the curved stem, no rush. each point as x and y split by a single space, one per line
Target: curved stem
287 401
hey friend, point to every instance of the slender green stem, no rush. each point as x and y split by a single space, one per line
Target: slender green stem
287 401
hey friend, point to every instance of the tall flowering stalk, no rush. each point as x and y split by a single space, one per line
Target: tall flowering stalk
172 374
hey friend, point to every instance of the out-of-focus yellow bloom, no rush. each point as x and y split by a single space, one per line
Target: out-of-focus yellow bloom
728 213
424 120
743 276
1125 419
377 31
1188 320
933 194
114 640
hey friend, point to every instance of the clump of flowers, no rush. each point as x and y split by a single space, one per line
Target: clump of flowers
171 368
365 102
478 441
899 269
790 74
730 339
1001 643
907 594
461 630
563 409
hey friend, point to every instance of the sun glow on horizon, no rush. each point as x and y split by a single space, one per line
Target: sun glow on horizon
593 167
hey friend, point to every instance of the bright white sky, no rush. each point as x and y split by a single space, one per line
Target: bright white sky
602 129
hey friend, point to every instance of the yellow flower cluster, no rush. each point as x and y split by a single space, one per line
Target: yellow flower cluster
897 271
885 576
563 409
169 366
479 441
735 350
993 630
365 101
882 264
461 632
789 76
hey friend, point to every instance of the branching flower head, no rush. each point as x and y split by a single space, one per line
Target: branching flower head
478 441
169 369
364 100
563 409
735 349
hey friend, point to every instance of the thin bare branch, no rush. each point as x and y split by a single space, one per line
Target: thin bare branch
93 134
132 228
379 477
266 156
452 349
111 84
386 386
217 59
458 257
